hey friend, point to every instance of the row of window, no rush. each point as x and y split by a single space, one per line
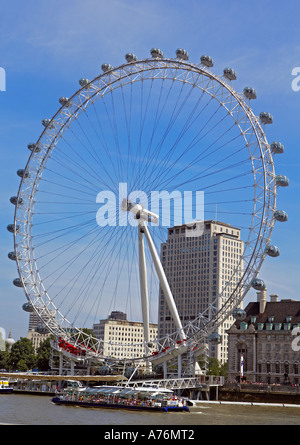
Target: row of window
270 326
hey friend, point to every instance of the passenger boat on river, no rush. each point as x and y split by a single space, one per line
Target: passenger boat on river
5 388
141 398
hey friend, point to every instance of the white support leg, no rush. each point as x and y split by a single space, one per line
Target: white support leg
179 366
144 293
61 360
164 283
165 368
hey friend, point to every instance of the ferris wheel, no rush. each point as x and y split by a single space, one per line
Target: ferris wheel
87 236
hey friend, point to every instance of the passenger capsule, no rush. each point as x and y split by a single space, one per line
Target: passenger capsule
182 54
229 73
277 147
272 251
239 314
250 93
27 307
106 67
207 61
280 215
214 338
64 101
131 57
266 118
48 123
282 181
18 282
156 53
15 201
23 173
41 329
11 228
83 82
12 256
258 284
34 147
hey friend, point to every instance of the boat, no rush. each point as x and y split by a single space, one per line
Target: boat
140 398
5 388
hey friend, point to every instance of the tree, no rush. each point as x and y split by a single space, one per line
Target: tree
4 359
22 356
216 368
224 369
43 355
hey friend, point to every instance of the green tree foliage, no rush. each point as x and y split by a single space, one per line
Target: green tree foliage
4 359
22 356
216 368
43 354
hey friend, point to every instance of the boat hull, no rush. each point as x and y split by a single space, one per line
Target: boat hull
6 390
169 408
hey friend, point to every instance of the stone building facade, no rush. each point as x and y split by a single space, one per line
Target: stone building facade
123 339
266 340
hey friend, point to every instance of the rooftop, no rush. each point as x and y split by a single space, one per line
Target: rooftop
280 311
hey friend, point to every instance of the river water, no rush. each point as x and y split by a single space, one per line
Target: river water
20 409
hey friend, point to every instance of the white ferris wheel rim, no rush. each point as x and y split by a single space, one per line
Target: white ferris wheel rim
132 72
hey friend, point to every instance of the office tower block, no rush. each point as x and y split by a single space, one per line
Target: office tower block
197 269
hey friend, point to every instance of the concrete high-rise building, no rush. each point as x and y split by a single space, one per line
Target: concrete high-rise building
197 269
37 331
123 339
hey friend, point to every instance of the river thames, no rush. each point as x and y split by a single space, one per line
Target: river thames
17 409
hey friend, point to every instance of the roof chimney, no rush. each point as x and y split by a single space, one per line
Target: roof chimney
274 298
262 300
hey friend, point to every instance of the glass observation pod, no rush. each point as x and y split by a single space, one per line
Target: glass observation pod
272 251
280 215
266 118
277 147
22 173
282 181
230 74
34 147
15 201
131 57
214 338
12 256
47 123
182 54
239 314
64 101
207 61
27 307
83 82
106 67
17 282
156 53
41 329
250 93
11 228
258 284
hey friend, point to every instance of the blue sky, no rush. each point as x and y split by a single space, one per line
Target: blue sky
46 46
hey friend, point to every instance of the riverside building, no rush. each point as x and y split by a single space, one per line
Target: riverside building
197 268
37 331
123 339
267 342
